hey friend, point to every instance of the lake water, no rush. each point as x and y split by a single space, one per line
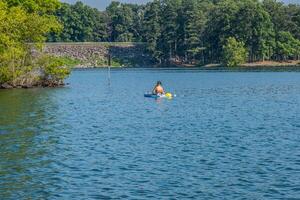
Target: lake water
227 135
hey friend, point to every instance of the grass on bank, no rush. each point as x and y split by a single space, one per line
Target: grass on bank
70 62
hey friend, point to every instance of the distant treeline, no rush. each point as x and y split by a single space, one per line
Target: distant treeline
191 31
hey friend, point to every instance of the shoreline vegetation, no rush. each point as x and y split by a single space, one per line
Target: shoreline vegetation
24 26
40 41
83 55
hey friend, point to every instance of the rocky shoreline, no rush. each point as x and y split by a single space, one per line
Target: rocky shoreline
87 55
28 86
33 79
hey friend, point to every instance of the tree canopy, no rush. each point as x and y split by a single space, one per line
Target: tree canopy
188 30
24 26
234 53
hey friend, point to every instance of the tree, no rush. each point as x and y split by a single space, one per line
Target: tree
220 26
234 53
121 22
138 17
292 22
253 26
35 6
81 24
169 39
277 12
152 29
23 27
287 46
193 26
184 31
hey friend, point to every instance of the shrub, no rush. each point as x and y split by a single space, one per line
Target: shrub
234 53
5 75
24 26
55 69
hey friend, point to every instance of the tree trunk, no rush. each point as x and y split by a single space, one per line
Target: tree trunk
170 52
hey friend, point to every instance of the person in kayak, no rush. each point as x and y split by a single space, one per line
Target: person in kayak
158 89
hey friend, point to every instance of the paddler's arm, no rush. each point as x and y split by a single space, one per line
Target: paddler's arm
154 90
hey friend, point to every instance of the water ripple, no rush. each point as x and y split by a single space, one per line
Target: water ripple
225 136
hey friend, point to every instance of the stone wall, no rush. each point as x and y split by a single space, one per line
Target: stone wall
97 54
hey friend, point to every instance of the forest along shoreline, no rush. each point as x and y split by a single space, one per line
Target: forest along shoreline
129 54
192 32
181 33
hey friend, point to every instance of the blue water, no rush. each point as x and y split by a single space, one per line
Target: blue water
227 135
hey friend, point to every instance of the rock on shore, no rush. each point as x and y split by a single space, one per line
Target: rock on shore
6 86
35 78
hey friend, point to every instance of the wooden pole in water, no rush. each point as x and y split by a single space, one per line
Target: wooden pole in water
109 65
109 60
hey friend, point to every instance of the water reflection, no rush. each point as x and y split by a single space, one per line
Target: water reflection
24 146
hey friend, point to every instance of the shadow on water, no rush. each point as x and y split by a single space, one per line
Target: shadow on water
24 144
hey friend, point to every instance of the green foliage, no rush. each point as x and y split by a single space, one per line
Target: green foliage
5 75
170 27
287 45
123 18
81 23
234 53
55 68
246 20
186 30
69 62
34 6
193 23
254 27
23 26
284 17
152 29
